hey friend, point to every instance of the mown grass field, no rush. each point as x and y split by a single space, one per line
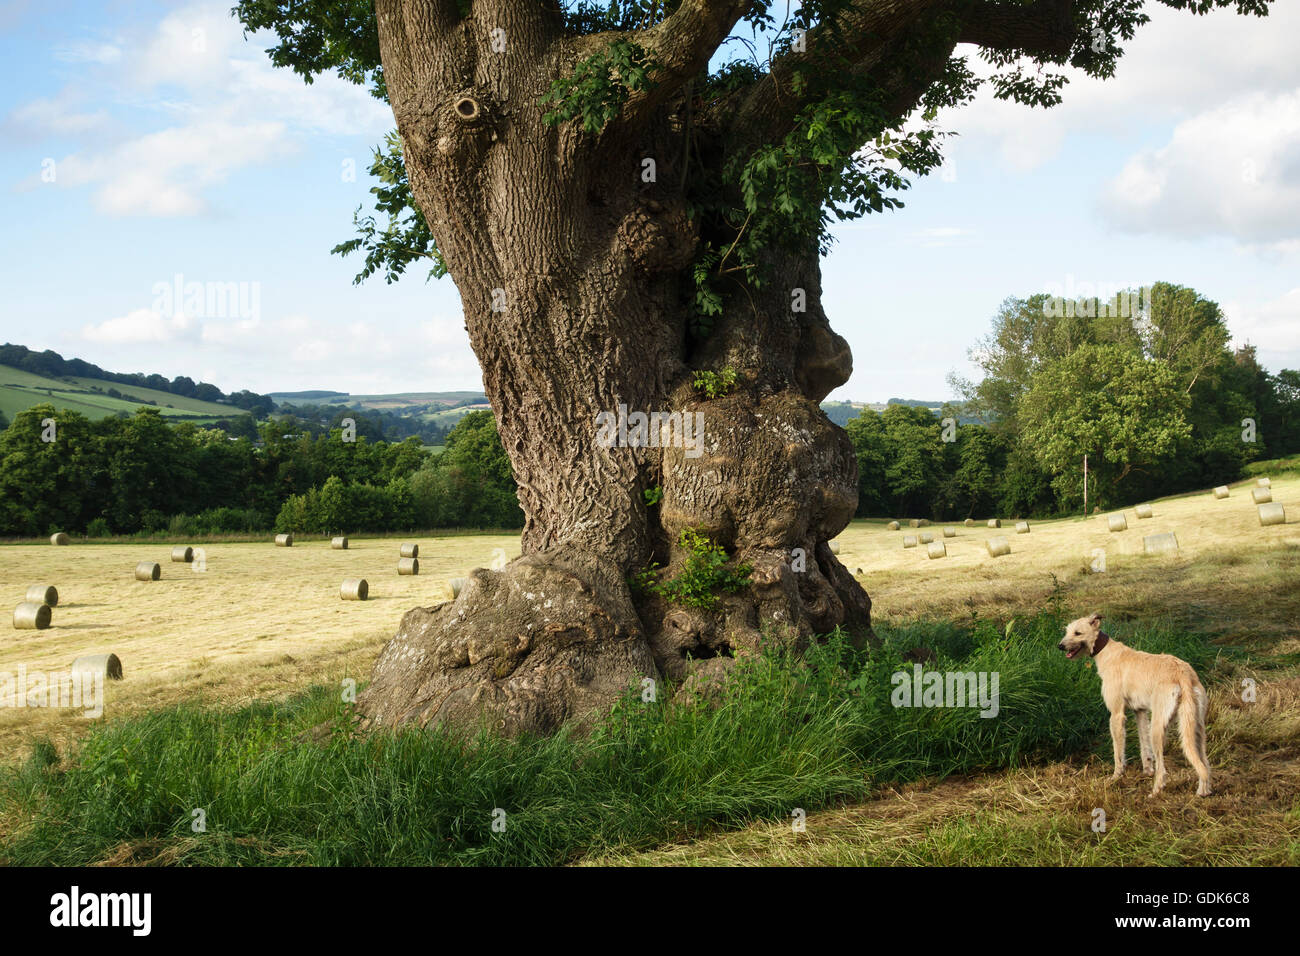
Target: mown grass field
669 786
20 390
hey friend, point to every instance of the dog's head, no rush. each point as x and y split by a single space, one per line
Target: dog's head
1081 635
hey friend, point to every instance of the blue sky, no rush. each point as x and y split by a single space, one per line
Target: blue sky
144 141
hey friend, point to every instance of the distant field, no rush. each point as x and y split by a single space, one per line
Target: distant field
259 620
20 390
393 400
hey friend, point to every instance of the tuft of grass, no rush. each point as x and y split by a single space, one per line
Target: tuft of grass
785 732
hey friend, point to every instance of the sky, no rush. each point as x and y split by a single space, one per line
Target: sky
147 147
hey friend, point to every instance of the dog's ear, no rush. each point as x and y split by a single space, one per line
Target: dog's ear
1095 620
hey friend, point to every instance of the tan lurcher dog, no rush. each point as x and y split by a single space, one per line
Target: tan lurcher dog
1156 686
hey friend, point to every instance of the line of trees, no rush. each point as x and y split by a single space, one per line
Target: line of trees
143 474
1157 401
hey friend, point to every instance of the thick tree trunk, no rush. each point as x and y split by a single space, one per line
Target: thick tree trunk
574 272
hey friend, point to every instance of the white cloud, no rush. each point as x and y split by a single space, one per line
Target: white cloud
1233 170
141 326
1273 327
88 51
226 107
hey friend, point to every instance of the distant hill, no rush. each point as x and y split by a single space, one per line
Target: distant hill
841 413
97 398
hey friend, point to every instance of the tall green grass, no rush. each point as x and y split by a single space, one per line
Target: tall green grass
787 732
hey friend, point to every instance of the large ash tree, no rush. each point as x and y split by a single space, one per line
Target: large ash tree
627 195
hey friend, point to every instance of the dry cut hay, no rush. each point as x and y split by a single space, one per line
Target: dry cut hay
408 565
995 522
110 665
284 541
32 616
354 589
339 544
1272 513
60 538
835 547
182 555
1262 496
909 541
927 537
1221 491
970 522
148 571
998 546
409 551
893 526
914 522
1117 523
1022 527
457 585
1160 543
949 532
923 523
43 594
1144 511
937 549
1264 483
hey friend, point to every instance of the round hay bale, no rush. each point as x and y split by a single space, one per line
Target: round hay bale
408 565
998 546
148 571
1160 543
893 526
409 551
60 538
923 523
1022 527
32 616
43 594
457 585
110 665
1262 496
182 555
927 537
909 541
339 544
913 523
1144 511
1264 483
284 541
354 589
1272 513
835 547
1117 523
937 549
995 522
1221 491
949 532
970 522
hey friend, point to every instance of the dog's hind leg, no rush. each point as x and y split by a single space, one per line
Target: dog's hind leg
1191 727
1144 742
1117 738
1162 711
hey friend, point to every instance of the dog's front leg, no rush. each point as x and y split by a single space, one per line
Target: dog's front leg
1144 742
1117 738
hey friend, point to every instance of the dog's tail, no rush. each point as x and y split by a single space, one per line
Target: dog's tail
1193 705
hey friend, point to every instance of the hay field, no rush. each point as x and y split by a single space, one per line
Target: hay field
266 621
259 621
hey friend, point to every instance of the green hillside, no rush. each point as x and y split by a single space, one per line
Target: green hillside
20 390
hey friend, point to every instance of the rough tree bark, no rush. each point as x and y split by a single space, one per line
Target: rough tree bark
574 273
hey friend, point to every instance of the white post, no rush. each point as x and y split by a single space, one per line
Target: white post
1085 486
